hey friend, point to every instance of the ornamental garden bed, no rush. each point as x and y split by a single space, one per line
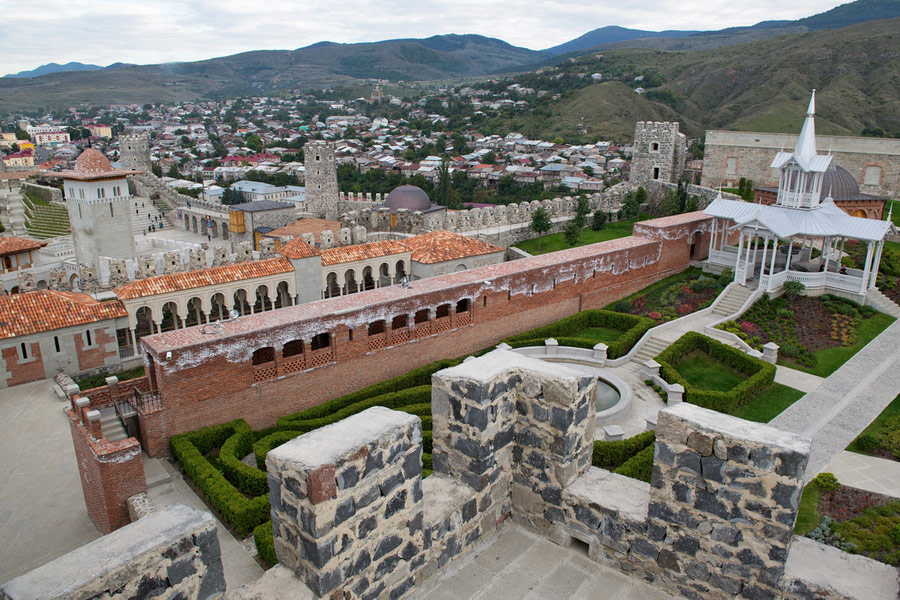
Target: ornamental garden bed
854 520
815 335
888 280
675 296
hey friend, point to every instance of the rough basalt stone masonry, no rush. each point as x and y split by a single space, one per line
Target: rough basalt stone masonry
172 553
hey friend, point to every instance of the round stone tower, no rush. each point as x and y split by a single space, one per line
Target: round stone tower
134 151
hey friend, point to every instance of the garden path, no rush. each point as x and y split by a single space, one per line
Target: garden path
870 473
805 382
848 400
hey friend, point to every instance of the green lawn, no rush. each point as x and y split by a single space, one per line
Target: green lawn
769 404
831 359
874 429
704 372
599 334
808 514
557 241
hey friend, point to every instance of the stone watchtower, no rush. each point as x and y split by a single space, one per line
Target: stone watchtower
134 151
658 152
321 179
99 206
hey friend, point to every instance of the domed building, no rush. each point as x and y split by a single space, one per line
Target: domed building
839 185
410 197
402 203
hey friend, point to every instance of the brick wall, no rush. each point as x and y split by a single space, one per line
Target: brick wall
209 380
96 355
111 472
23 371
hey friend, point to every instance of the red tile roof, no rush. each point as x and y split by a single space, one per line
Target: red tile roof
175 282
46 310
297 248
438 246
13 245
334 256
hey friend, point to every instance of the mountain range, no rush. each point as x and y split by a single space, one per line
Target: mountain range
687 61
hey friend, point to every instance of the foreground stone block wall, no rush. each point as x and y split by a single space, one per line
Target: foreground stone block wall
173 553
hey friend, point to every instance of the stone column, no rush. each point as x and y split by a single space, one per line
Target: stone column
347 505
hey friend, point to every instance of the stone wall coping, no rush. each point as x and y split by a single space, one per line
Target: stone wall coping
628 497
121 549
497 362
442 496
278 583
326 445
739 429
846 575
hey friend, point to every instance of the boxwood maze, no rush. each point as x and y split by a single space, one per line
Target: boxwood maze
212 457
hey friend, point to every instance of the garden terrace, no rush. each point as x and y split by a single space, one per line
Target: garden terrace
815 334
307 354
675 296
557 241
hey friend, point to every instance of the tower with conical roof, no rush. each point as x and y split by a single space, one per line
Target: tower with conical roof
802 171
99 206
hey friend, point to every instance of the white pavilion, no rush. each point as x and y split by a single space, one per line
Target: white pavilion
775 243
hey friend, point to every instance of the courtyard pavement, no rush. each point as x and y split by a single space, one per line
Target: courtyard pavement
865 472
515 564
42 512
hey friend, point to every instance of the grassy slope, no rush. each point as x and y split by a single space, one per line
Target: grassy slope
557 241
875 427
830 360
808 515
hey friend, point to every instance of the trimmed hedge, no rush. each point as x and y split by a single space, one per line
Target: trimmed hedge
632 326
264 539
249 480
612 455
243 513
638 466
760 374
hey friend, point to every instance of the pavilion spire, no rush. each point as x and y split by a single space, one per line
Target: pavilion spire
806 143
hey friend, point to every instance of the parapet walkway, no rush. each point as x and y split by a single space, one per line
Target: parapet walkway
848 400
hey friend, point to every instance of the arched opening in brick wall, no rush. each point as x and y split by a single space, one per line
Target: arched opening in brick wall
320 341
399 322
263 355
292 348
464 305
376 327
442 311
421 316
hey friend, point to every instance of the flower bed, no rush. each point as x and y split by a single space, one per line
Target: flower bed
674 296
759 374
805 327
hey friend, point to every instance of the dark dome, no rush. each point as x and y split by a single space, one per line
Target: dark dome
839 184
408 196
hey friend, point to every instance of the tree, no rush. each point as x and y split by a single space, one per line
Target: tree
174 172
489 158
157 170
599 220
572 232
443 184
670 204
254 142
540 223
581 211
693 204
21 134
15 148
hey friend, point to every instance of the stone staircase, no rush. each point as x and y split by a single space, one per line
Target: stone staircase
13 218
650 349
732 301
111 425
140 209
882 303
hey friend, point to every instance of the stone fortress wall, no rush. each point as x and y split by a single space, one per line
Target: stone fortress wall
512 441
729 155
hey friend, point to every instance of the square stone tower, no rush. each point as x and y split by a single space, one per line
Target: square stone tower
321 179
134 151
658 152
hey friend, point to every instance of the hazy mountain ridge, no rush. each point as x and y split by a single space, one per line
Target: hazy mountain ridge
54 68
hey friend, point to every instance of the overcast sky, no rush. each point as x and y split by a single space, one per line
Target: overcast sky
36 32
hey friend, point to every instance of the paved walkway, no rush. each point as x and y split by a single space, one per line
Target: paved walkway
837 411
42 512
865 472
519 565
805 382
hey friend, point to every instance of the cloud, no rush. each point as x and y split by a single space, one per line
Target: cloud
107 31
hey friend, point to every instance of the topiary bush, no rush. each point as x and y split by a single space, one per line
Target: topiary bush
867 442
611 455
827 481
264 539
638 466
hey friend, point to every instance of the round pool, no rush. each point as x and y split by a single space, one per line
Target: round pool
607 395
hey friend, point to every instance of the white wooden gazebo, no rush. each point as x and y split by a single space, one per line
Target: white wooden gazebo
800 237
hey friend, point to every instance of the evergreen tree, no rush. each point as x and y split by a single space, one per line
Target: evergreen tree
599 220
443 185
540 223
572 232
174 172
581 211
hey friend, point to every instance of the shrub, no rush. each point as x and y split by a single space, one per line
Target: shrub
250 480
890 436
622 306
611 455
760 373
265 543
638 466
895 533
633 328
827 481
867 442
793 288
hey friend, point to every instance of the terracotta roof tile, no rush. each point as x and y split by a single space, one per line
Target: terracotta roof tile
297 248
46 310
334 256
11 245
438 246
301 226
174 282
